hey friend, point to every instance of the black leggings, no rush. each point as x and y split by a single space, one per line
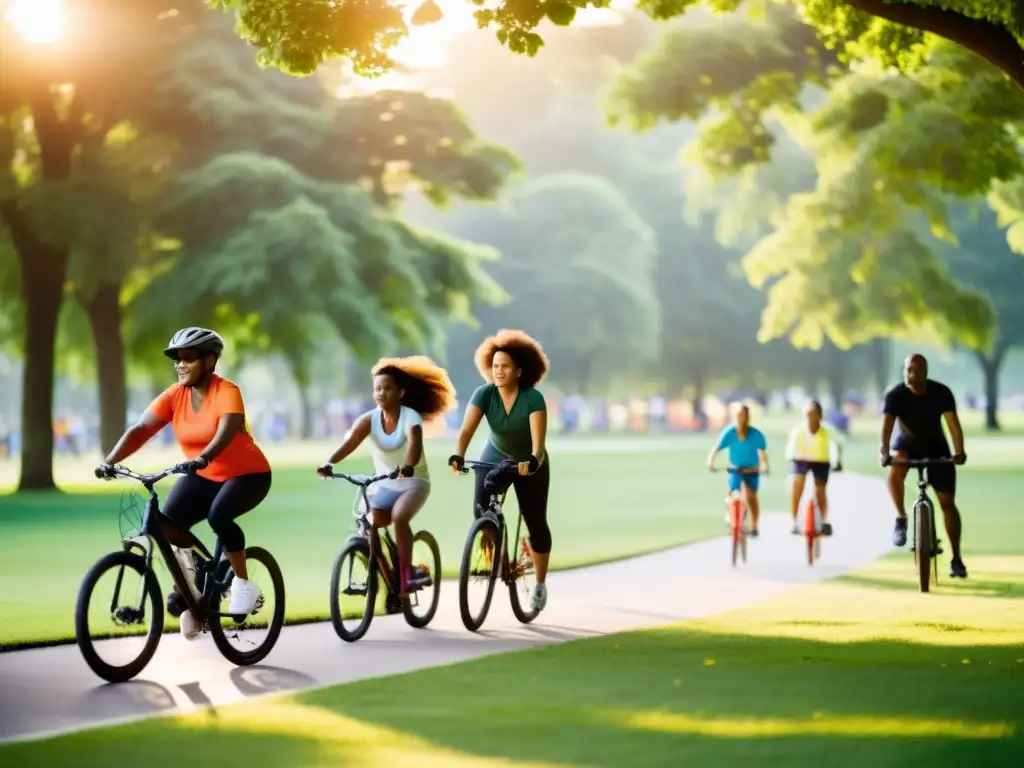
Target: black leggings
532 495
195 498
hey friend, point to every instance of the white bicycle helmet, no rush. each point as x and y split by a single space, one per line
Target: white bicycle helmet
200 339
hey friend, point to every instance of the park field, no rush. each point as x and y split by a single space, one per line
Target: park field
612 497
862 670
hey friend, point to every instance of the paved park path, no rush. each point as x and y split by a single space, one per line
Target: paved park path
51 690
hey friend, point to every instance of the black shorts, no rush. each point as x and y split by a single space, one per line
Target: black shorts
193 498
941 477
819 469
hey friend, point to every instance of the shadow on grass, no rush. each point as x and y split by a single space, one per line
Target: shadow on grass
946 586
656 698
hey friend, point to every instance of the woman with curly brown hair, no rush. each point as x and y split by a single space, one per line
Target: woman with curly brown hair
408 391
512 364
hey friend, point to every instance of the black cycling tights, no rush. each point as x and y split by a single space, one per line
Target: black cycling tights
532 496
195 498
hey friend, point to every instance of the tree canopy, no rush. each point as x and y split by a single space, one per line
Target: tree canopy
114 160
298 37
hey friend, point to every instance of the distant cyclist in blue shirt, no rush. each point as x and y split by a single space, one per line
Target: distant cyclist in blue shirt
747 452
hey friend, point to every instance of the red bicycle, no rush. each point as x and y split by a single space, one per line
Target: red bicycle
736 509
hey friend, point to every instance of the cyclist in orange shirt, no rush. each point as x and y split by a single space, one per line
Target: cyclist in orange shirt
228 473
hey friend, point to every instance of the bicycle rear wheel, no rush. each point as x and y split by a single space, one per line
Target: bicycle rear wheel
354 578
483 542
923 544
122 623
418 614
257 634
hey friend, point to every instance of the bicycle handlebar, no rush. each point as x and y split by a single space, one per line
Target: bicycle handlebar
177 469
920 463
363 481
490 466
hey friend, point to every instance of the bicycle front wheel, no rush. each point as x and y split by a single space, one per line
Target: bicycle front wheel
353 590
478 572
110 616
248 642
923 544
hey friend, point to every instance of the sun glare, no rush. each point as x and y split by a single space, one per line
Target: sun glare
37 21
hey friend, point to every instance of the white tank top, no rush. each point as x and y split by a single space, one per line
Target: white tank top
388 451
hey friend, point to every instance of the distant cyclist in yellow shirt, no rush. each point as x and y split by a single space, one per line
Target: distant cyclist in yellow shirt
810 450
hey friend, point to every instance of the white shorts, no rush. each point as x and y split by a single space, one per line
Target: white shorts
385 493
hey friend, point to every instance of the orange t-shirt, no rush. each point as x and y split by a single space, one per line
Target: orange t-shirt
195 430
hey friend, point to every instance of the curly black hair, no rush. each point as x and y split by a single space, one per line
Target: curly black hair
522 348
428 390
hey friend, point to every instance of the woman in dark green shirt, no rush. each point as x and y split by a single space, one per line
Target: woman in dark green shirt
512 363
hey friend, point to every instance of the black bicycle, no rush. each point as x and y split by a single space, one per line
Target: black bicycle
367 559
924 539
213 575
491 530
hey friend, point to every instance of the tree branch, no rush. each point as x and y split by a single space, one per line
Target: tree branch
992 42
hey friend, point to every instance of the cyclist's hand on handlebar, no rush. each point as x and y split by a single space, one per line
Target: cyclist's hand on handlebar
885 458
405 470
196 464
838 467
712 468
325 470
457 463
105 471
960 459
528 467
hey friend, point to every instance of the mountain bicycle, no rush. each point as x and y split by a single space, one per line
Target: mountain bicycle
377 559
925 540
212 582
492 531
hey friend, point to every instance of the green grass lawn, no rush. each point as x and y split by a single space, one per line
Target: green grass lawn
859 671
604 505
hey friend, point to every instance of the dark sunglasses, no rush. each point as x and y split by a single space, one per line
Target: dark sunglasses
188 357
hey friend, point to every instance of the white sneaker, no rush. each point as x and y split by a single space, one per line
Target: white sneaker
244 595
539 597
191 627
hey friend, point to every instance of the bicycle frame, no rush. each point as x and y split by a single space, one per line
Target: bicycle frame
737 496
365 529
495 512
149 533
923 479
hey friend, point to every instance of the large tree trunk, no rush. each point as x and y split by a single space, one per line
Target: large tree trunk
881 361
698 380
300 374
991 365
104 310
835 373
583 375
43 271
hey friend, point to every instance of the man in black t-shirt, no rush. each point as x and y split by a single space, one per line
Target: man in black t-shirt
917 407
